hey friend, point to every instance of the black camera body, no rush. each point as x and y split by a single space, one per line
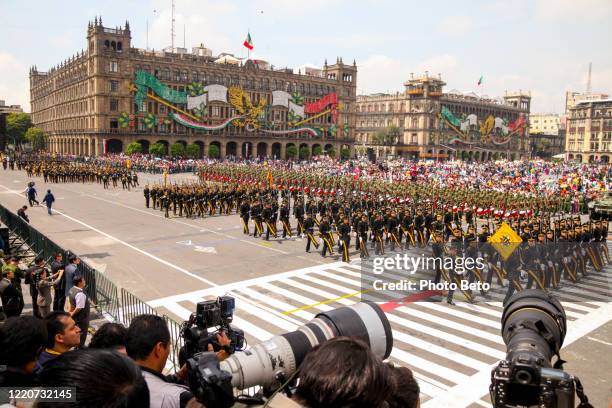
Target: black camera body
212 314
209 383
534 325
517 384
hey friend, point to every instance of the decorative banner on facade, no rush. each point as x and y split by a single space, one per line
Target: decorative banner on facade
280 98
194 102
185 121
216 93
321 104
146 80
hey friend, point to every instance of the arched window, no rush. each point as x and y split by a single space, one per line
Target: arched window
113 45
106 44
119 46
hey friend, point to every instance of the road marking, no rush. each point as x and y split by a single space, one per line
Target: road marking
600 341
188 242
206 250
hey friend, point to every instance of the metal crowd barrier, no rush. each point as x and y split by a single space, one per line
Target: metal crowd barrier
101 290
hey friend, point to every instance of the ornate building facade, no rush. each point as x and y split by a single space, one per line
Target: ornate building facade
434 124
589 131
112 94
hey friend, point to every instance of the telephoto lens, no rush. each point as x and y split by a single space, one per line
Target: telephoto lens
278 358
534 327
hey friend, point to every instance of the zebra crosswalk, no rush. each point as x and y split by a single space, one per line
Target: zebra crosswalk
446 346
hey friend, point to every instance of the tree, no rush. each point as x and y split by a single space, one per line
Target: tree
387 136
317 151
192 150
304 153
291 151
17 124
213 151
345 153
177 149
331 152
37 138
134 148
157 149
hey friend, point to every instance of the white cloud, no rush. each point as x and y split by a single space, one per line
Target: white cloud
14 81
456 25
380 73
441 64
582 10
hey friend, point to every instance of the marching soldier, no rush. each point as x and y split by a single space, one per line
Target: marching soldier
147 195
244 215
309 231
325 234
344 232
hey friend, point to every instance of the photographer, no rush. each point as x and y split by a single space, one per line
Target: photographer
32 276
44 285
148 344
344 373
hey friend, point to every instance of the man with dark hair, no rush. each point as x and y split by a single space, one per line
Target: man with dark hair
21 339
32 277
12 300
407 391
148 343
59 298
102 378
110 336
62 335
79 306
343 372
22 213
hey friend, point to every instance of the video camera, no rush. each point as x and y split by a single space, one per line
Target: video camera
273 363
534 327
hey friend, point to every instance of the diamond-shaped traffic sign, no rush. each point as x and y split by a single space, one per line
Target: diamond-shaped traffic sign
505 240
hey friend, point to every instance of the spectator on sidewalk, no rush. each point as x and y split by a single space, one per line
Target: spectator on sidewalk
31 194
21 339
45 283
80 306
32 276
59 299
49 199
70 272
12 300
22 213
62 335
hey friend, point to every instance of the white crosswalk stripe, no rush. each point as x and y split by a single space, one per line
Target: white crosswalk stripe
444 345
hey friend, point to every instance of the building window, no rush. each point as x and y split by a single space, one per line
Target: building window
114 86
114 66
114 124
177 75
162 109
114 105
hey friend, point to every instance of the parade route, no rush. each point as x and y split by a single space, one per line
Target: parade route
174 263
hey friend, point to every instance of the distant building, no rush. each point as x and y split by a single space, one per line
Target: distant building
4 111
438 124
544 123
572 98
589 131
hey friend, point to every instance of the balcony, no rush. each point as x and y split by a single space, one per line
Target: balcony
435 93
415 91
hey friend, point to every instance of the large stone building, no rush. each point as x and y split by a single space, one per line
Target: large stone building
112 94
589 131
441 125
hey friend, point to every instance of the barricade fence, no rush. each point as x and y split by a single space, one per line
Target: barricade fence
100 289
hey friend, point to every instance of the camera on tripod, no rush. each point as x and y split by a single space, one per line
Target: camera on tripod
533 327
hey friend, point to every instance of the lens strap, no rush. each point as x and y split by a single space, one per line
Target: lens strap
584 400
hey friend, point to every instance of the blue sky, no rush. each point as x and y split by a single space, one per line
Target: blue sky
539 45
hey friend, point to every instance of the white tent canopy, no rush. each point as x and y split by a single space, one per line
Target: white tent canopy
227 59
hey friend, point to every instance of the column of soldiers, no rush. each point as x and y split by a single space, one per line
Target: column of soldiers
70 172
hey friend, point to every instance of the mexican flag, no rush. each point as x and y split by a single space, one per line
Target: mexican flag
248 42
479 80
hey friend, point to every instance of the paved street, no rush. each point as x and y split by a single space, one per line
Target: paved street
173 264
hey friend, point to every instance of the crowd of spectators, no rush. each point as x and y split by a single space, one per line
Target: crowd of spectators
124 367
